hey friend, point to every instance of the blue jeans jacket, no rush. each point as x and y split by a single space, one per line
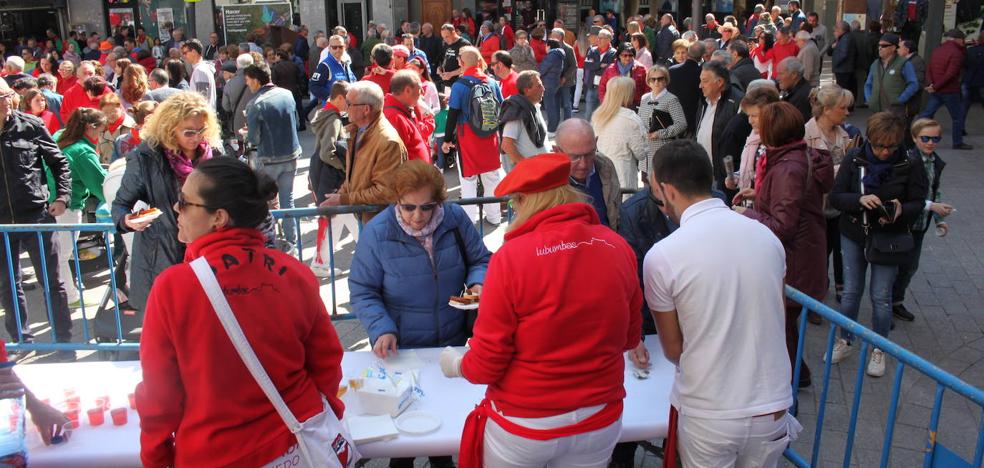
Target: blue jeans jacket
272 122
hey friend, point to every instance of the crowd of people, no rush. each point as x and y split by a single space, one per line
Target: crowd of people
722 132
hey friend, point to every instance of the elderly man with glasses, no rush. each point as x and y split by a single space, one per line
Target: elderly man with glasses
592 173
26 141
892 80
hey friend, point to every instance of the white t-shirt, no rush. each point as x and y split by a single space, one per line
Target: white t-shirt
705 129
723 274
203 81
514 129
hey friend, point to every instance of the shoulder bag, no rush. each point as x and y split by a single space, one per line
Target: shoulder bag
884 247
324 441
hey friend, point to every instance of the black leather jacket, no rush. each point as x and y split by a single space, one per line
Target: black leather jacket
26 148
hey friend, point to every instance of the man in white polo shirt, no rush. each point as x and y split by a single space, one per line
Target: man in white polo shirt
715 289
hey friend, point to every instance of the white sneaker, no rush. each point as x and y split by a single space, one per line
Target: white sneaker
876 366
842 349
324 271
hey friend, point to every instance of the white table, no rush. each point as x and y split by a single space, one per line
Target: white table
644 417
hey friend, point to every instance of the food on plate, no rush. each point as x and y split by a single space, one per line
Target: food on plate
147 212
465 299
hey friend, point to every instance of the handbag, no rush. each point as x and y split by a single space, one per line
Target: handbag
660 120
324 441
884 247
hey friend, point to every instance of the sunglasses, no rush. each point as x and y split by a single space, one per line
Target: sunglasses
182 203
426 207
627 56
656 78
191 133
884 46
337 47
927 139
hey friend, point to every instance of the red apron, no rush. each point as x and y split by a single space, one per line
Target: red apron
473 436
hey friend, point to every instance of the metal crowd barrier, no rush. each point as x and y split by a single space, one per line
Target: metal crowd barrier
936 455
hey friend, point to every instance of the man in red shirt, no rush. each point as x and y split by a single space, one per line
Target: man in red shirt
784 47
78 95
381 72
501 65
413 122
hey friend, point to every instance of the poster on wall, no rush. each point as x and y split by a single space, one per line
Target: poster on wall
240 20
121 17
165 23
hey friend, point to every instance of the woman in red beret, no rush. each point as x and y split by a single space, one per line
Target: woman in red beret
550 351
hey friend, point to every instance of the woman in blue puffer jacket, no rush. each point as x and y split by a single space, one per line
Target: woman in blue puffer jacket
410 260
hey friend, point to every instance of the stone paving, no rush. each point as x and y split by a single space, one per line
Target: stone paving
946 296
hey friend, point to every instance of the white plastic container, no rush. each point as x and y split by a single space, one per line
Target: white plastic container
379 396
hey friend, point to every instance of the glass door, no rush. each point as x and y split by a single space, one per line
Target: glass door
352 15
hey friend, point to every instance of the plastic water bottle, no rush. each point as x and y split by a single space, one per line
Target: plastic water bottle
13 452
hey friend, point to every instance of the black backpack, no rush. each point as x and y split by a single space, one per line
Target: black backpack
484 107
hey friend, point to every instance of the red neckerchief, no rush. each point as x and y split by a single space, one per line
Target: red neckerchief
330 106
90 140
475 72
134 136
115 125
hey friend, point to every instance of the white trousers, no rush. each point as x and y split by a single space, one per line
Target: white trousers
469 189
577 88
591 449
740 443
66 240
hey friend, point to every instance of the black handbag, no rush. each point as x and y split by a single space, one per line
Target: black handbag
660 120
885 247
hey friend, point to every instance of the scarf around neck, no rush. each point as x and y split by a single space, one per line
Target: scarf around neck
624 69
181 165
426 235
518 107
878 171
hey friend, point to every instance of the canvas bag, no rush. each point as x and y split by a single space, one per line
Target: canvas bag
324 441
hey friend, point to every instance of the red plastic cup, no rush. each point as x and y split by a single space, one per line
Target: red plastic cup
73 404
97 416
69 393
103 402
73 416
133 401
119 416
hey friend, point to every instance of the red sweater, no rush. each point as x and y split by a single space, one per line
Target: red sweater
638 73
559 307
382 79
413 131
944 68
198 404
539 49
778 52
75 97
64 84
508 85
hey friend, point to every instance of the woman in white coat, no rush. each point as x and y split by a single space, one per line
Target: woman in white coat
621 133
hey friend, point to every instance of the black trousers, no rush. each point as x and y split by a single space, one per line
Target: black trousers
908 270
834 249
11 288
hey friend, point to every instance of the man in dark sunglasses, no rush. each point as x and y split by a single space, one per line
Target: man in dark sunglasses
892 80
336 66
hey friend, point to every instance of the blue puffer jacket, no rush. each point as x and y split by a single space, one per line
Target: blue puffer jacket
395 288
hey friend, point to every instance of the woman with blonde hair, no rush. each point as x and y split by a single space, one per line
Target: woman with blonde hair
621 134
831 106
134 85
118 123
552 363
176 138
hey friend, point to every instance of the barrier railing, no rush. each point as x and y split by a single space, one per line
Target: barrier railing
935 453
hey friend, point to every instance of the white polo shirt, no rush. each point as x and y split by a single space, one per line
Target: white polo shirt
723 274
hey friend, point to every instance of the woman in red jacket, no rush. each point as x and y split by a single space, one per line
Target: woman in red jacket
198 404
553 364
789 201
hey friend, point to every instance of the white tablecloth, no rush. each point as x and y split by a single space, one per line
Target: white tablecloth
644 417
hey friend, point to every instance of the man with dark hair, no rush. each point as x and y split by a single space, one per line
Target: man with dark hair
523 131
843 54
720 104
203 71
271 127
287 75
47 83
943 84
502 67
449 68
715 396
382 71
414 123
335 66
819 34
685 84
743 69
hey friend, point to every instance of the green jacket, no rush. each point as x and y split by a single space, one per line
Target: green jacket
87 172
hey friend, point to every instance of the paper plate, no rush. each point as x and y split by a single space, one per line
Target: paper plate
463 306
148 217
418 422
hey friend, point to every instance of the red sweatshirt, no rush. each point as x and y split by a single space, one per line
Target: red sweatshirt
75 97
198 404
382 77
64 84
559 307
414 130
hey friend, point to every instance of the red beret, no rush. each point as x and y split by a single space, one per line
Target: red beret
536 174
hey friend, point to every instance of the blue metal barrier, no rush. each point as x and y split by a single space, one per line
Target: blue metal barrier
936 453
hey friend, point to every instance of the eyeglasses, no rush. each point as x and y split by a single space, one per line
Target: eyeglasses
426 207
927 138
627 55
8 94
576 158
890 149
191 133
337 47
883 46
656 78
182 203
492 64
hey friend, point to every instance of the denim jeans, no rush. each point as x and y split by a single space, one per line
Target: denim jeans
566 102
283 173
19 242
882 279
551 108
590 102
954 105
907 271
